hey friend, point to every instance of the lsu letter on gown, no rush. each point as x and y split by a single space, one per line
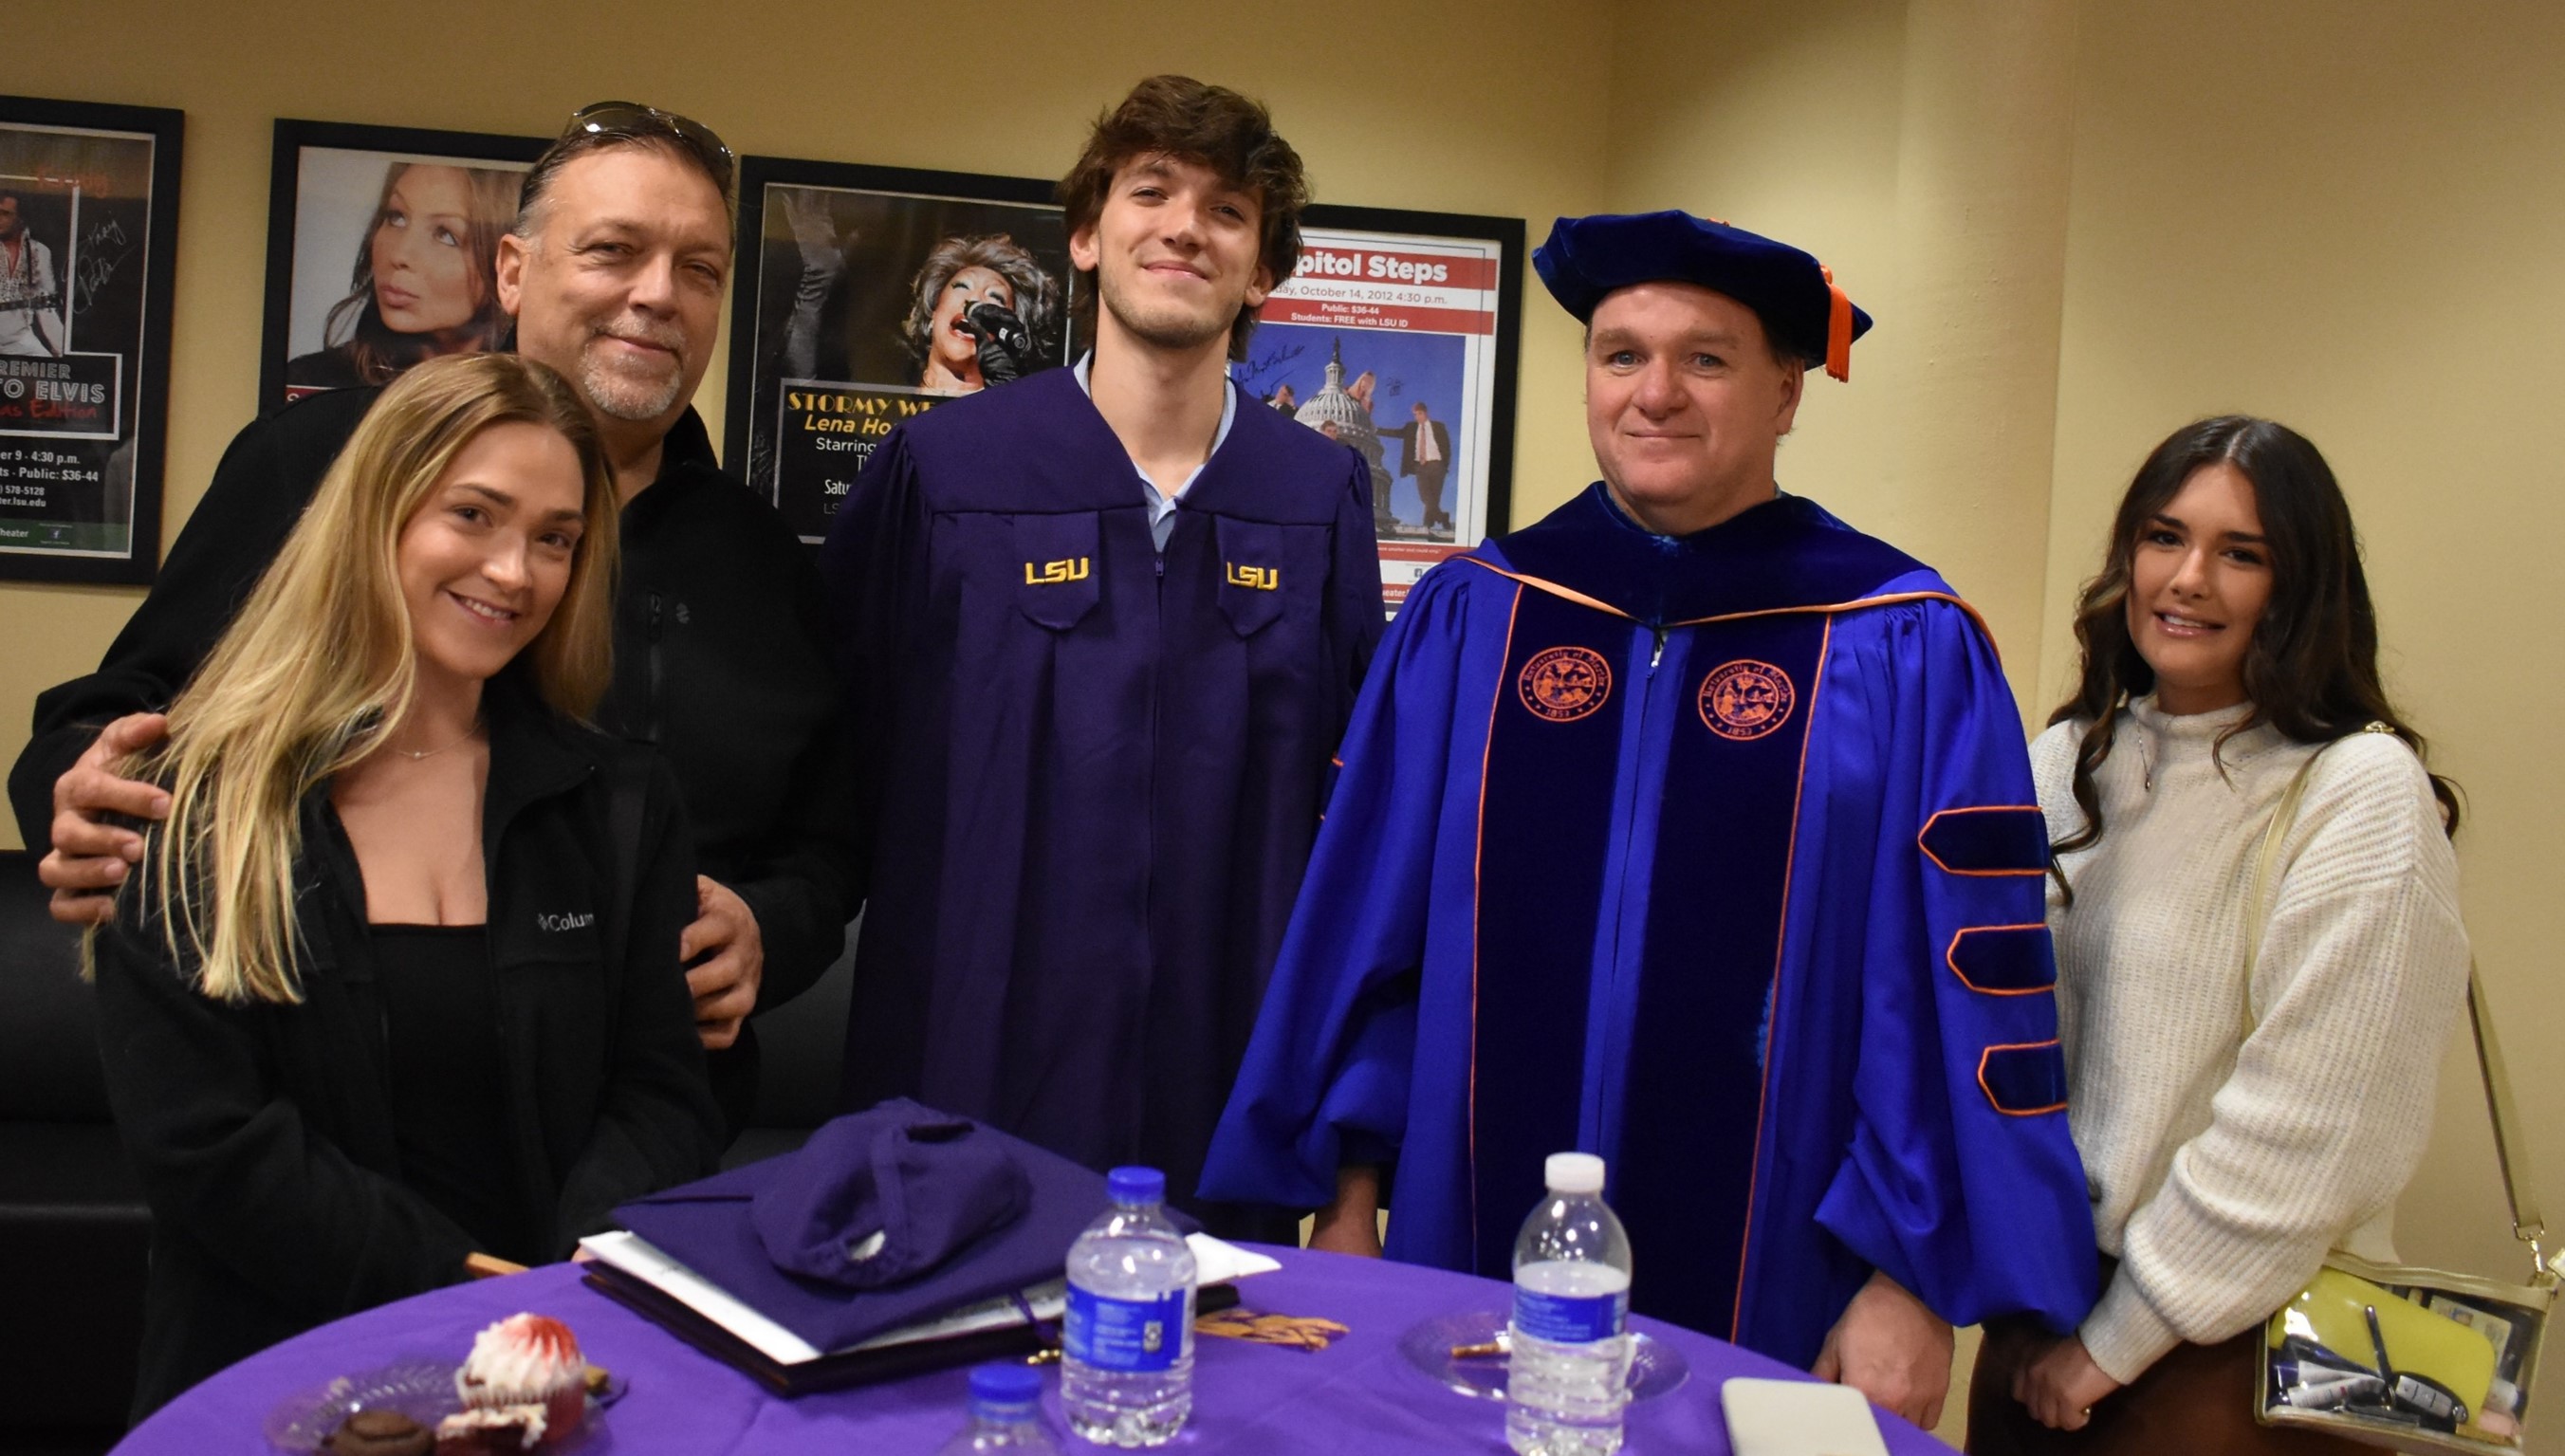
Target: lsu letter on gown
1093 770
1717 855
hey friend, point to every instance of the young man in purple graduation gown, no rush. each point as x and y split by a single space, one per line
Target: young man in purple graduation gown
1101 630
1692 828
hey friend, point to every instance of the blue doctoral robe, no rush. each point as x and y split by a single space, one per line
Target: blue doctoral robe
1716 856
1093 770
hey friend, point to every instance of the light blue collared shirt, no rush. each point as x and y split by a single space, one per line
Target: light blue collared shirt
1162 504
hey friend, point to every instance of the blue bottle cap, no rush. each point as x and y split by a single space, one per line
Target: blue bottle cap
1006 1383
1136 1185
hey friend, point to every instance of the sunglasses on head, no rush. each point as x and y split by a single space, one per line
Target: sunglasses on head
629 119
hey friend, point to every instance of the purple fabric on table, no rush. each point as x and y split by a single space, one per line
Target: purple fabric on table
915 1184
1358 1394
708 1227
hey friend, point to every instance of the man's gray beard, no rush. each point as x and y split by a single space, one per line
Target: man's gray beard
624 397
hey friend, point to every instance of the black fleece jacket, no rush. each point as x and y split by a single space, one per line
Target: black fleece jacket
722 663
263 1133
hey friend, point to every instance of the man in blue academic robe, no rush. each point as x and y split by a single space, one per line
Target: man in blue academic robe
1101 631
1692 828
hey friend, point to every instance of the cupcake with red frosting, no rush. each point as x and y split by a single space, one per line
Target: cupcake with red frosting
528 1359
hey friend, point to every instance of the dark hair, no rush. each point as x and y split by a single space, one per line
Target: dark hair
1037 292
1181 118
353 326
604 125
2311 666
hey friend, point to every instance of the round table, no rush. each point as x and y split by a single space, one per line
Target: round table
1358 1394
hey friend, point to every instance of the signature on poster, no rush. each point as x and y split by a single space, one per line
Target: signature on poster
98 267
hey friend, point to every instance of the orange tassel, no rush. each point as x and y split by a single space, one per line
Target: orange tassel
1838 327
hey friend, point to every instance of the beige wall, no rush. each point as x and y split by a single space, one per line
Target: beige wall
1513 126
2080 226
1784 119
1922 155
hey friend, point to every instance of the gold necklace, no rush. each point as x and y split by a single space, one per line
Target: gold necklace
468 735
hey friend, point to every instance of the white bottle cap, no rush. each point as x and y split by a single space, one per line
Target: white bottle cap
1574 1172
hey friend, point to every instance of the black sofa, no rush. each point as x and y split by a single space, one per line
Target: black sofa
74 1230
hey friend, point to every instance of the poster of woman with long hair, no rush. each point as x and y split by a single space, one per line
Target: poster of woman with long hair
382 251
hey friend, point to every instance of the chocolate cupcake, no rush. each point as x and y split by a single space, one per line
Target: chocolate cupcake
379 1433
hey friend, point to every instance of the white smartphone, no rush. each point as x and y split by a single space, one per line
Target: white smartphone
1798 1419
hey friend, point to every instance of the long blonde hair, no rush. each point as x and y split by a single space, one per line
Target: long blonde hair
318 669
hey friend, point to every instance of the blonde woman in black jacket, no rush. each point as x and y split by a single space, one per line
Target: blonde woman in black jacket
396 979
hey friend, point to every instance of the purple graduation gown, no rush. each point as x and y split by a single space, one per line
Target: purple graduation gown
1093 768
1717 857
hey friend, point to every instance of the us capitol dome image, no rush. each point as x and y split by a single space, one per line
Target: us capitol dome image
1335 413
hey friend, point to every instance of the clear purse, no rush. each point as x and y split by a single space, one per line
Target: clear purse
2393 1356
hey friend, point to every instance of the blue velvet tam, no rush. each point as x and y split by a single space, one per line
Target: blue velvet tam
884 1196
1794 294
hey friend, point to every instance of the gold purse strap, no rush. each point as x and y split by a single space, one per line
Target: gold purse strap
2508 1149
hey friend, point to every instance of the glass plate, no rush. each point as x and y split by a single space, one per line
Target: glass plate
1655 1367
419 1387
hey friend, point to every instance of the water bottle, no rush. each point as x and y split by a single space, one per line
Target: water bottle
1005 1414
1568 1376
1127 1370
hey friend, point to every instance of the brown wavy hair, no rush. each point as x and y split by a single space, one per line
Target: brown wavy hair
2311 666
1190 120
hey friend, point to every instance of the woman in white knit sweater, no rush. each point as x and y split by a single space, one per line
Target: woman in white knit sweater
2230 1135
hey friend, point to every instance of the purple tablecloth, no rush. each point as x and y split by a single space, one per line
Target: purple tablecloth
1359 1394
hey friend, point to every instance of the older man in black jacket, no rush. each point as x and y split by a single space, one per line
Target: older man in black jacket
614 273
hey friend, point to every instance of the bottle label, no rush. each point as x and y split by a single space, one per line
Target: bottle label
1570 1319
1127 1334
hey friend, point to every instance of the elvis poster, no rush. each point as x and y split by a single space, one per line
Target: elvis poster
88 203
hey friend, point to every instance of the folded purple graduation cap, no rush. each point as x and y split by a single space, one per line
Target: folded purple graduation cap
736 1227
880 1197
1796 296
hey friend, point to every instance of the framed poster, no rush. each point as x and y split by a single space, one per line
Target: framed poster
1399 334
382 247
861 300
89 235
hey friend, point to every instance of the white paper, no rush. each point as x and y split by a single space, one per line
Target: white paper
1218 1262
643 1260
